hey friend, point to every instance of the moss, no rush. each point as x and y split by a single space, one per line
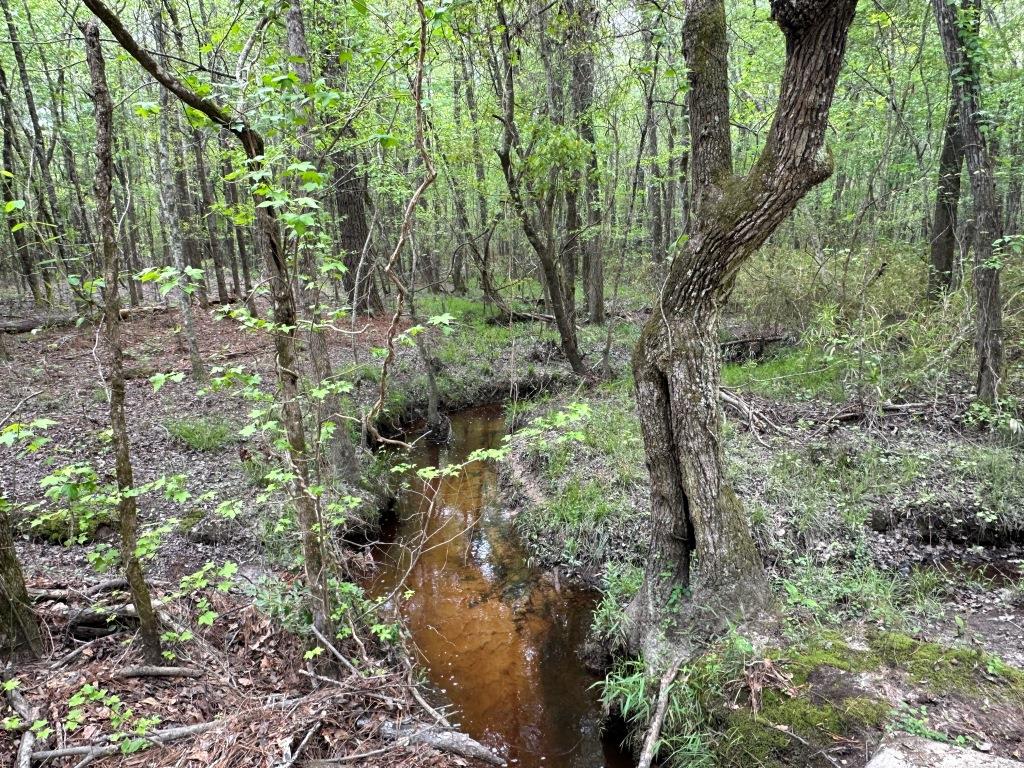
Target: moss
949 669
827 649
763 740
866 712
191 520
750 741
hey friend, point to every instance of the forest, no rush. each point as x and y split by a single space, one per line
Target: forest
531 383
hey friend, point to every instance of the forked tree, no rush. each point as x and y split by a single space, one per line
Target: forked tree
704 569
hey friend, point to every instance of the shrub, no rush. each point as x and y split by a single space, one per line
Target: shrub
202 433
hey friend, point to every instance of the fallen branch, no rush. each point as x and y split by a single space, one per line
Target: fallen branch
302 745
157 737
651 741
443 740
147 671
16 408
754 420
28 715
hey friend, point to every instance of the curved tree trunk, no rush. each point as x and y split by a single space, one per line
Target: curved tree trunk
704 570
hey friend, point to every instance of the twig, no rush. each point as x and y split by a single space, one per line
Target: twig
651 741
302 745
16 408
337 654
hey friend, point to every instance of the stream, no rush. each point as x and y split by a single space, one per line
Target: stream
498 638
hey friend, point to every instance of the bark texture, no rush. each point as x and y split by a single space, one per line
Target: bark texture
704 570
947 200
957 26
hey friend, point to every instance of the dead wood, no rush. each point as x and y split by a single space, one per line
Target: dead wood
442 739
651 741
151 671
104 750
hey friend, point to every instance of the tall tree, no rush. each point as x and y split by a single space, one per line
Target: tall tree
959 29
127 510
677 361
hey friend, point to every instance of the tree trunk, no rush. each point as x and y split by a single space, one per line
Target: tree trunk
947 200
341 455
127 510
38 147
170 215
582 31
960 43
694 513
19 629
15 220
539 229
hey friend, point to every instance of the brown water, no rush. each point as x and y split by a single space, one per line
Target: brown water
498 640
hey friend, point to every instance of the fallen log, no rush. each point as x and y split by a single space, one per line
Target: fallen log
105 750
442 739
28 324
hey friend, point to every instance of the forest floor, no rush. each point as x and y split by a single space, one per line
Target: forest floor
889 536
224 566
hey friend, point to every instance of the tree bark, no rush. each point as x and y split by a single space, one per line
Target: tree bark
958 28
947 200
676 363
19 629
127 510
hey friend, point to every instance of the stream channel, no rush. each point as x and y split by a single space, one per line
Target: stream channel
498 639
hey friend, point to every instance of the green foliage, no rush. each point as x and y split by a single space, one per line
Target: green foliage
78 505
801 373
202 433
620 583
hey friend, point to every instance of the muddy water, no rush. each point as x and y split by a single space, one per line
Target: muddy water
497 638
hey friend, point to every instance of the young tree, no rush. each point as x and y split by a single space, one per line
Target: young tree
539 225
958 28
677 360
127 510
269 244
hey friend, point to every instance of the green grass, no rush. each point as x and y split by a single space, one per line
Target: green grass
207 433
796 373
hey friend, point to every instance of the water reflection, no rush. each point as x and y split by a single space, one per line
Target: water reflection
498 639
